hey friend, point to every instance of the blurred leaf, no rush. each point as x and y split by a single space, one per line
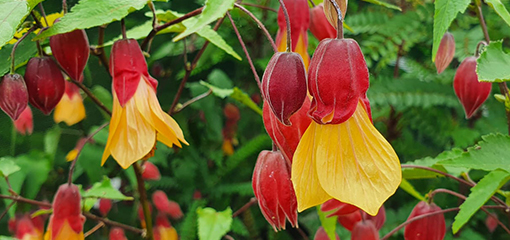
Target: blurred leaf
213 225
479 195
328 223
384 4
93 13
13 13
500 10
141 31
51 139
445 12
90 161
41 212
236 94
219 92
239 228
105 189
188 229
409 188
6 238
16 180
105 97
213 10
36 165
493 64
25 50
7 167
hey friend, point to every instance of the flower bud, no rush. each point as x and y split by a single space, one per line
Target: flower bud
378 219
471 93
25 123
45 83
330 11
105 205
71 50
13 95
319 24
491 222
117 233
284 85
322 235
163 230
164 205
339 208
150 171
445 52
428 228
348 221
337 80
364 230
66 222
23 228
273 189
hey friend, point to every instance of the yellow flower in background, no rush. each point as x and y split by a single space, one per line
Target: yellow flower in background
70 109
49 18
137 118
299 16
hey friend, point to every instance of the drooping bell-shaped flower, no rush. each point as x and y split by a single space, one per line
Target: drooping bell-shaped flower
287 137
322 235
117 233
25 123
13 95
71 50
471 93
338 208
23 228
273 189
232 116
164 205
342 155
66 222
105 205
491 222
70 109
428 228
364 230
45 83
137 118
349 220
299 15
319 24
445 52
284 85
163 230
150 171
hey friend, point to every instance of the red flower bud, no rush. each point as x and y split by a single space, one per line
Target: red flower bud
299 15
319 24
13 95
337 80
284 84
364 230
273 189
141 215
349 220
287 137
71 50
429 228
25 229
339 207
45 83
322 235
117 233
231 112
491 222
25 123
163 230
445 52
378 219
66 211
471 93
105 205
164 205
150 171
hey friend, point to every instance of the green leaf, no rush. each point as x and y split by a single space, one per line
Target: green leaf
13 12
500 10
141 31
6 238
219 92
409 188
93 13
25 50
234 93
105 189
105 97
51 139
489 154
41 212
492 65
446 11
479 195
213 10
384 4
213 225
36 165
7 167
328 223
416 173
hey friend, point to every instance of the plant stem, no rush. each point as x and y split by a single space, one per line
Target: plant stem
143 200
7 209
311 2
13 64
92 96
94 229
261 26
123 28
252 201
340 26
99 50
13 140
259 6
193 100
64 6
43 14
287 20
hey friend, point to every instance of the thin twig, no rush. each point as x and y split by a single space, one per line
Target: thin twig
255 74
94 229
261 26
252 201
311 2
123 28
13 64
193 100
154 16
64 6
287 20
99 50
340 25
7 209
43 14
92 96
142 192
260 6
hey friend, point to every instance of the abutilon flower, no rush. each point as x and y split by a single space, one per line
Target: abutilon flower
232 116
364 230
164 205
319 24
23 228
150 171
342 155
105 205
163 230
13 95
137 118
429 228
273 189
445 52
491 222
299 15
117 233
66 222
471 93
25 123
322 235
70 109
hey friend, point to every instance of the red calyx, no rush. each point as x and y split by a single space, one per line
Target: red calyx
339 207
364 230
150 171
319 24
66 207
164 205
299 15
337 80
105 205
71 50
273 189
322 235
117 233
471 93
445 52
45 83
13 95
429 228
284 85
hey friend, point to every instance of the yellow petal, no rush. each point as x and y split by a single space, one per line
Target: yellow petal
306 183
71 155
302 49
70 110
114 124
67 233
355 163
168 233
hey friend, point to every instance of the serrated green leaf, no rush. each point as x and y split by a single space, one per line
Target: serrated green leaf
445 12
141 31
219 92
105 189
13 12
328 223
409 188
7 167
213 10
213 225
234 93
479 195
492 65
25 50
500 10
489 154
416 173
93 13
384 4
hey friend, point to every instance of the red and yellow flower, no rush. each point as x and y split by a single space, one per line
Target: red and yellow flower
70 109
299 15
66 222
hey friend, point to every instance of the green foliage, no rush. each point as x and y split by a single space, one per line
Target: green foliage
492 64
7 167
445 13
213 225
234 93
409 188
13 12
26 49
498 6
329 224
